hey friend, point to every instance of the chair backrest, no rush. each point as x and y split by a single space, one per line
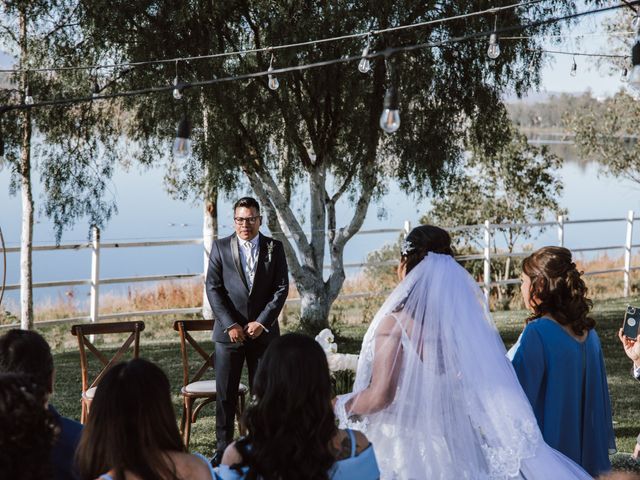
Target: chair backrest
184 327
83 331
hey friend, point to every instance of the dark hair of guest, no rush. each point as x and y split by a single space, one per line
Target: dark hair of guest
422 240
131 425
27 429
247 202
291 422
557 289
27 353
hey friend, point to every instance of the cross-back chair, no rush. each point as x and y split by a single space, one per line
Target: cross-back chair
193 388
83 332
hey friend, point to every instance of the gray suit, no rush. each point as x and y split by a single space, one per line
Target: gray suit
233 303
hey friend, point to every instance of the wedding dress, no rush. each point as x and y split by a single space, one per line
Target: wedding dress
435 393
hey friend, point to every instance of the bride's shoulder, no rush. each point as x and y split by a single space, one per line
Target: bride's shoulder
390 325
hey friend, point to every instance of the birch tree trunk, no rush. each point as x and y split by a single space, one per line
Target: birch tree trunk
209 219
26 237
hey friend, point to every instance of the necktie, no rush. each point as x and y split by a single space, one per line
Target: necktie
251 262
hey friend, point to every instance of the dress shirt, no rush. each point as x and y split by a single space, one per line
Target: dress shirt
255 248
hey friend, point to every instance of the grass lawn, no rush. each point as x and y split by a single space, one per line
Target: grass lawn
159 343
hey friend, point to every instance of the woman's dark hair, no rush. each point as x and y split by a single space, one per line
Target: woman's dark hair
131 425
557 289
27 429
27 353
291 422
422 240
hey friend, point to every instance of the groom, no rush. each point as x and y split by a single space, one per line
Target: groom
247 285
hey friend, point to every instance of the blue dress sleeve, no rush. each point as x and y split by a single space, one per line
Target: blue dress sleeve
529 363
607 407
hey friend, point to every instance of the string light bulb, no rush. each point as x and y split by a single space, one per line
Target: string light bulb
365 64
182 143
574 68
624 75
493 51
390 118
273 80
177 91
634 78
28 98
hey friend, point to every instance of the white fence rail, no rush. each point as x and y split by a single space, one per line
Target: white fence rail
487 229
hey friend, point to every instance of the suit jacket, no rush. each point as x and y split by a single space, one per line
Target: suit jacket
228 291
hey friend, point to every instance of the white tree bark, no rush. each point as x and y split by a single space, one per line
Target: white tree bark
316 294
26 237
209 221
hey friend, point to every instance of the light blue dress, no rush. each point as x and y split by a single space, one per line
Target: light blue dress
363 466
106 476
566 383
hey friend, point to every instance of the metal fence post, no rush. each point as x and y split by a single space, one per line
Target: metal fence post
561 230
487 260
95 276
627 254
407 227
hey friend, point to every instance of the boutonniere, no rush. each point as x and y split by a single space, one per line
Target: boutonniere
269 251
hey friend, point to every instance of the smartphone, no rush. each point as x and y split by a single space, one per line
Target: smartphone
631 322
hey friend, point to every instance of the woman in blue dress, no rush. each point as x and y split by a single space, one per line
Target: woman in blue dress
291 426
559 361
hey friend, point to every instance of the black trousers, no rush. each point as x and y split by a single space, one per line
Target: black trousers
229 360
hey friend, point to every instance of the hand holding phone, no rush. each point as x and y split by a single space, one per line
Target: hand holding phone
631 322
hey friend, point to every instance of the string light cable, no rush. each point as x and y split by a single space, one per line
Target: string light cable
306 43
390 51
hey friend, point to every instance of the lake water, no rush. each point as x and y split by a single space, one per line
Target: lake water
146 212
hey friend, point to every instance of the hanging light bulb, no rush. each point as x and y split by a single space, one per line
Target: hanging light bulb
28 98
574 68
624 75
493 51
634 78
365 65
182 143
96 89
273 80
390 118
177 91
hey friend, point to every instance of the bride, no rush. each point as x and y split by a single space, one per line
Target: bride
434 391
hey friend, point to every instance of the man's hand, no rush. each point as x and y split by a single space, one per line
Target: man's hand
236 334
631 347
636 451
253 329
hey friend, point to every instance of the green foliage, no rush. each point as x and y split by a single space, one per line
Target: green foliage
519 184
608 131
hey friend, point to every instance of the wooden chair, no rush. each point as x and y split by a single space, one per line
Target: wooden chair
193 388
82 332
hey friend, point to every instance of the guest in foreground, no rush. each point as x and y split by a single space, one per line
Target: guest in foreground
631 347
291 427
560 364
132 433
27 429
434 390
25 352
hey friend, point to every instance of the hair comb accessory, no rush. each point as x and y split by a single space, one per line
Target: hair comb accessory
407 247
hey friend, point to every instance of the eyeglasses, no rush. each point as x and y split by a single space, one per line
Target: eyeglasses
249 220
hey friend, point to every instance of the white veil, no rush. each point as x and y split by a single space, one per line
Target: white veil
434 391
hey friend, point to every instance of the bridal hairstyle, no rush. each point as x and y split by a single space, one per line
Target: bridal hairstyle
131 425
291 422
27 430
558 289
422 240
